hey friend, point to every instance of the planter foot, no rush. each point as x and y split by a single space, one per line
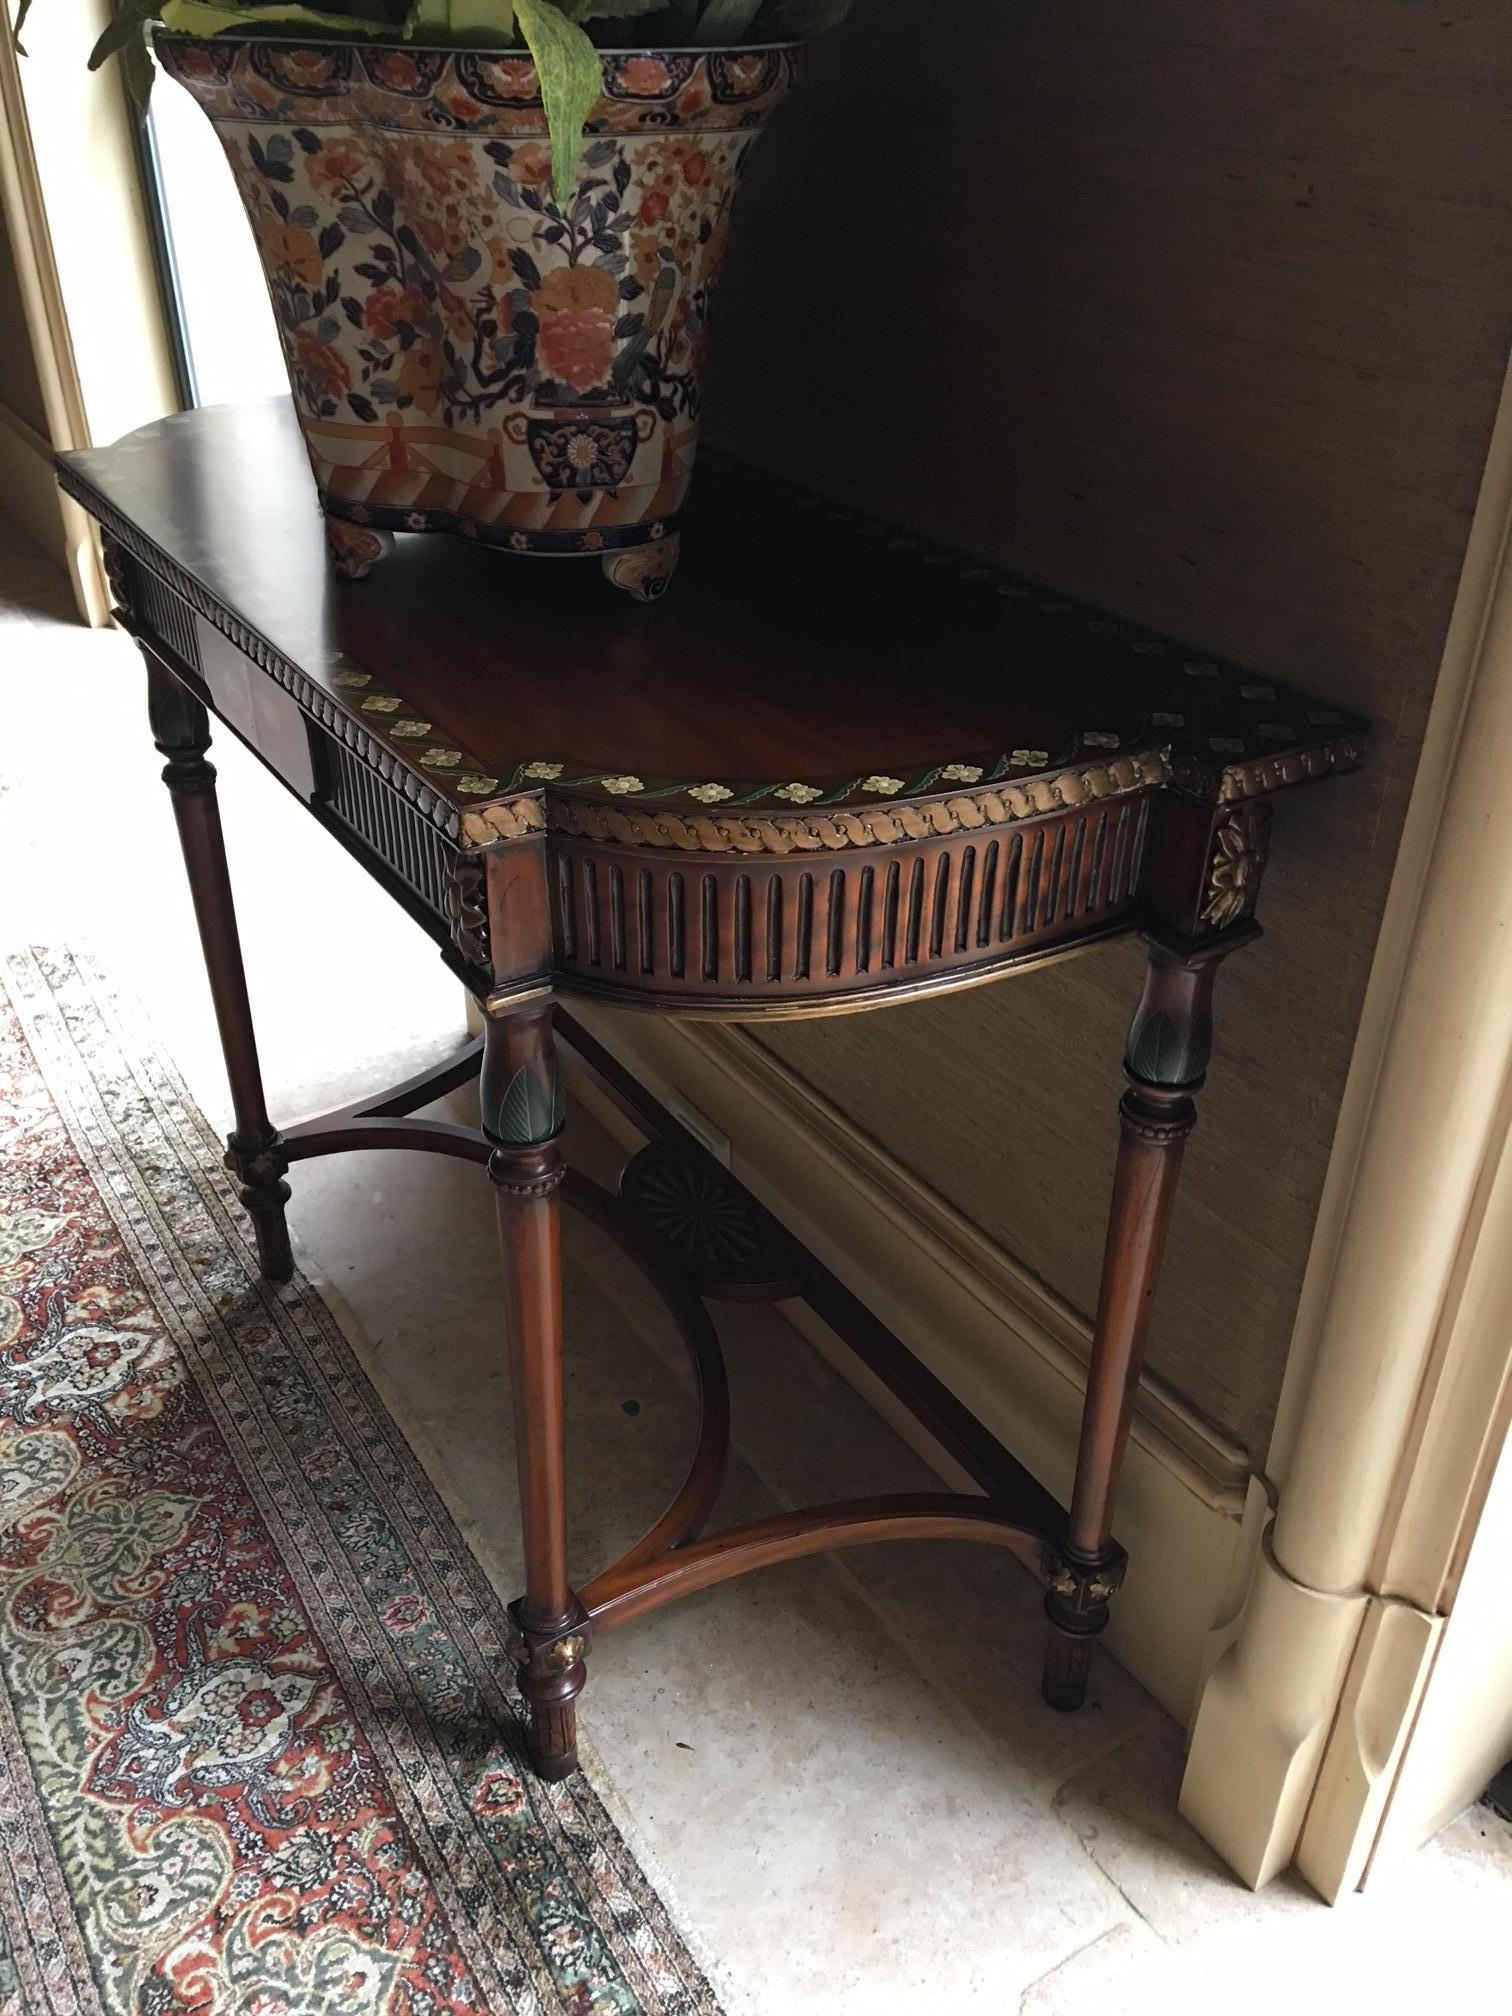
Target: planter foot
356 549
645 571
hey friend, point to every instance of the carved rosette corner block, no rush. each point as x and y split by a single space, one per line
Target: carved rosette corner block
1205 866
1241 842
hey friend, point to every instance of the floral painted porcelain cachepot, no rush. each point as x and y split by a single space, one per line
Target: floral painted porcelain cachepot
466 356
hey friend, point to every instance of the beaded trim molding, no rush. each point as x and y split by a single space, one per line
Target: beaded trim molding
1256 779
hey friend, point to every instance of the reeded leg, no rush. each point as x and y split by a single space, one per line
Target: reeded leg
645 571
254 1152
1165 1058
356 549
522 1114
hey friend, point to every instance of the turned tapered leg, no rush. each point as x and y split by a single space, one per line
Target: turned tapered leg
522 1115
254 1153
1166 1056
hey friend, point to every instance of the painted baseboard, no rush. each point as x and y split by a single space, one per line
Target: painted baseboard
30 497
30 492
1003 1344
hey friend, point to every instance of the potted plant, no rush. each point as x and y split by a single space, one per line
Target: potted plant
491 231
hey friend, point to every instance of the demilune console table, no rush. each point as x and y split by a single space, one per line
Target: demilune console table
859 772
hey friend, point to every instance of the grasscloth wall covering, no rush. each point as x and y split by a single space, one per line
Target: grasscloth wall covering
1197 309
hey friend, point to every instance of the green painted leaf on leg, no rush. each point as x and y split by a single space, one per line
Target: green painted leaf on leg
529 1114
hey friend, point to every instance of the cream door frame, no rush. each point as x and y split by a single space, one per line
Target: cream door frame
1393 1419
77 218
57 524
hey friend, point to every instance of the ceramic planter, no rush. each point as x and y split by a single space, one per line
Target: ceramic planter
465 356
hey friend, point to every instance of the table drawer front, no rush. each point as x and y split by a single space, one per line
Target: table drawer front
779 930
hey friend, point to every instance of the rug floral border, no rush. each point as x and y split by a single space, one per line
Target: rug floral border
140 1872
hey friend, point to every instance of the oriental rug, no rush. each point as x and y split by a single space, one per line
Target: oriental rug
257 1757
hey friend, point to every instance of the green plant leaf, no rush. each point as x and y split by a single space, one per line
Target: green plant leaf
571 83
137 72
204 17
681 23
725 21
479 23
124 27
797 20
197 17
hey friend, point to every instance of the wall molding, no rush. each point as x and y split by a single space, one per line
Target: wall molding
1394 1412
1008 1348
27 484
57 524
75 213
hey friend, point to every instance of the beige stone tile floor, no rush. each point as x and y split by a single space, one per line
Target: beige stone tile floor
840 1772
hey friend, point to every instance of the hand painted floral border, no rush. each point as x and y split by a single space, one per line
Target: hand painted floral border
418 739
1185 733
464 779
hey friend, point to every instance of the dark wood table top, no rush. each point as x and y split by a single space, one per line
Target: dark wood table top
807 659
